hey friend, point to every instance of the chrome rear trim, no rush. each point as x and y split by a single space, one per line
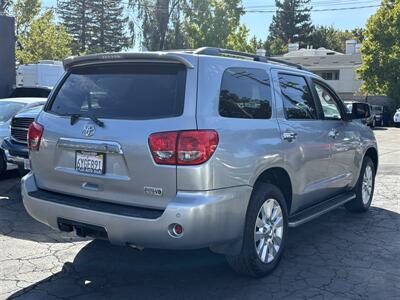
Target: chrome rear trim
90 145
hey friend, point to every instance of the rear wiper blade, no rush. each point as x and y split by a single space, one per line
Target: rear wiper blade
75 117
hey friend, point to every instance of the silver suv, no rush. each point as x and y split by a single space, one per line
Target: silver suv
192 149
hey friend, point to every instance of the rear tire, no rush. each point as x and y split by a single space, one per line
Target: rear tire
265 233
364 188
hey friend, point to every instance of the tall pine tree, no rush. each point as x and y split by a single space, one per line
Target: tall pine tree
159 23
75 16
107 26
292 21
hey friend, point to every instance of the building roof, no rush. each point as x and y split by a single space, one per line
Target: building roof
312 52
324 61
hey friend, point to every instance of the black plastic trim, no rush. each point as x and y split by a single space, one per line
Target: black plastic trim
96 205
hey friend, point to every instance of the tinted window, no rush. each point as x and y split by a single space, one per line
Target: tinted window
329 106
30 92
245 93
129 91
297 98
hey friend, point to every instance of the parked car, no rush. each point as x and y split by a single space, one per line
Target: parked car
32 91
369 119
396 118
8 108
186 150
377 111
16 145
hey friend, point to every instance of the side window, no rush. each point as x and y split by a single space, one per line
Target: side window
245 93
330 108
297 99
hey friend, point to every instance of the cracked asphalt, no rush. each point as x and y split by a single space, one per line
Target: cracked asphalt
337 256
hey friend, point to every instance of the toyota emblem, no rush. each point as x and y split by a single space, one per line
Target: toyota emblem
88 130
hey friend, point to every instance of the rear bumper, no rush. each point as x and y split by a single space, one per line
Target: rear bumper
209 218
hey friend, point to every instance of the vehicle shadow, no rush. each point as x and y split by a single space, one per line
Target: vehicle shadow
340 255
15 221
380 128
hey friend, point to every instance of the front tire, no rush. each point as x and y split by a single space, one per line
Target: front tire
265 233
373 124
364 188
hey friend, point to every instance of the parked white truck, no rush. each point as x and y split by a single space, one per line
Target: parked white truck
44 73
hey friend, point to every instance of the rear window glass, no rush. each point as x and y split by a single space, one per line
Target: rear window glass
129 91
245 93
30 92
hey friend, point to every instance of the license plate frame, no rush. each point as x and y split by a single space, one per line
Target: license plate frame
90 167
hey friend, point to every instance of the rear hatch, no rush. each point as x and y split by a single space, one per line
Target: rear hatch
97 125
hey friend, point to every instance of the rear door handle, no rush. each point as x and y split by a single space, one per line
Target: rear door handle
333 133
289 136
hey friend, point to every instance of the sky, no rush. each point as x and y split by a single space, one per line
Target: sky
258 22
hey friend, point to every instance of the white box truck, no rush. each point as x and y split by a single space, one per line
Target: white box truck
45 73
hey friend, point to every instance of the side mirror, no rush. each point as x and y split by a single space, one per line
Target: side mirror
360 111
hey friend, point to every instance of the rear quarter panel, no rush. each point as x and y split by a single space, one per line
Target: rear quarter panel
246 146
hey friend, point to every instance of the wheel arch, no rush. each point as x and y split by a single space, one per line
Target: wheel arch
373 154
279 177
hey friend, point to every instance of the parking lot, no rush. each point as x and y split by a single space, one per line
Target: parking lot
340 255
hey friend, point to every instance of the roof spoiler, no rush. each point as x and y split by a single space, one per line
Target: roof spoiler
123 57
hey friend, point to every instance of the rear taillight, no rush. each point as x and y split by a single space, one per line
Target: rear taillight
192 147
163 147
35 133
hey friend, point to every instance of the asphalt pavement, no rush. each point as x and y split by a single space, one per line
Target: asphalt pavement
337 256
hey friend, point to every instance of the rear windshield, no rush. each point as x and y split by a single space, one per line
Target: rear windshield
30 92
129 91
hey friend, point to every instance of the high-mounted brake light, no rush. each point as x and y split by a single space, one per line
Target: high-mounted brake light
35 133
192 147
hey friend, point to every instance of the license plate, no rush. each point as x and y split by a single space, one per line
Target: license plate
89 162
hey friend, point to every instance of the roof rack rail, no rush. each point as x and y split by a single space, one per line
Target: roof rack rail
219 51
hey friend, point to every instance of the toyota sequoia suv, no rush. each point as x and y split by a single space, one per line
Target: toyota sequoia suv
192 149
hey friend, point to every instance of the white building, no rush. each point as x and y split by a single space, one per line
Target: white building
337 68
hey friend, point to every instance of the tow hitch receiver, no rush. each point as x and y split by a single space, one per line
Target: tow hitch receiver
82 229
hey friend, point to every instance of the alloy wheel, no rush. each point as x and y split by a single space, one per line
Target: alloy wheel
367 184
268 230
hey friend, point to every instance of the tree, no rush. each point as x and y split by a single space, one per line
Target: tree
75 16
358 34
276 46
155 22
24 12
175 37
213 23
44 40
107 26
292 22
380 69
334 39
327 37
239 41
